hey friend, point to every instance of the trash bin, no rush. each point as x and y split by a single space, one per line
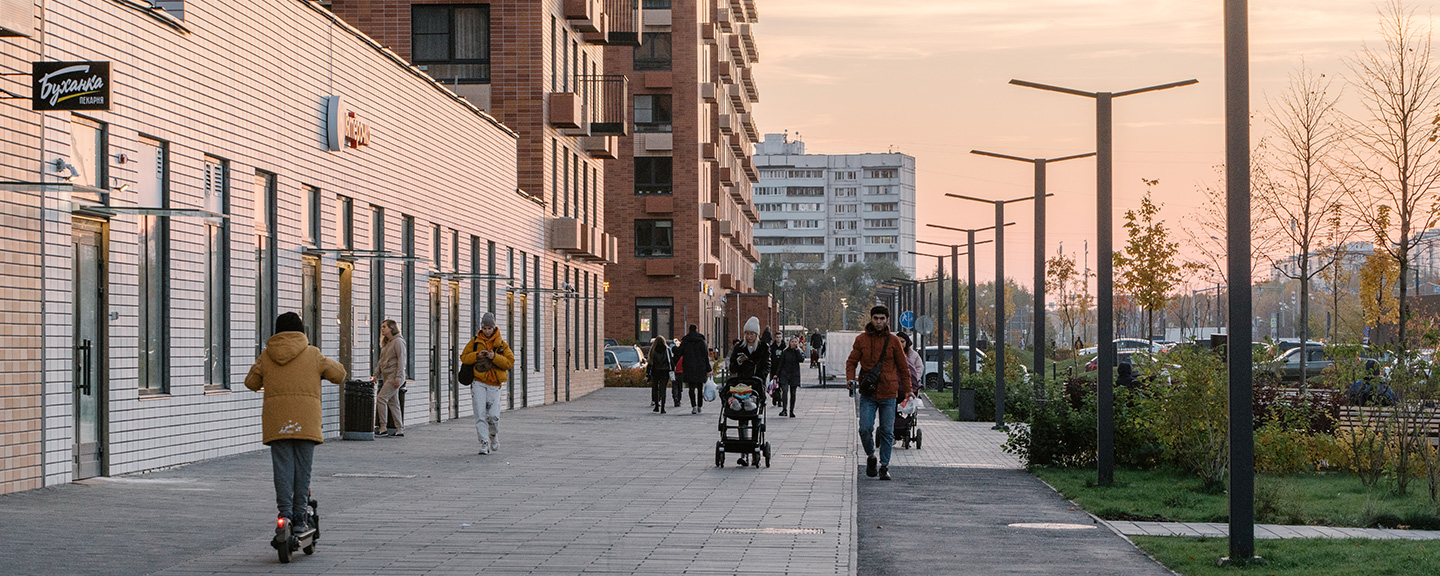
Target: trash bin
967 405
359 416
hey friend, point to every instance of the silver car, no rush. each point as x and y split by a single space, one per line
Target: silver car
627 356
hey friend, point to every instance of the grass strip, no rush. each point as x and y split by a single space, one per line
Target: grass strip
1297 557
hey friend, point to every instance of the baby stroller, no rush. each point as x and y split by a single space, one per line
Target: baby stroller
742 422
907 423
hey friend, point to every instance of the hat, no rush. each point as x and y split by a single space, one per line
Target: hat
752 325
289 322
488 320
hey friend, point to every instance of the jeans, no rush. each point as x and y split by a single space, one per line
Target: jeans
658 382
786 391
485 399
290 462
868 407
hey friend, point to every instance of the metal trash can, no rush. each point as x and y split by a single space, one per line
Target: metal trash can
358 422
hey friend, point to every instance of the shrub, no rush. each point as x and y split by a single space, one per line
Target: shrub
1281 450
1187 409
632 378
1057 435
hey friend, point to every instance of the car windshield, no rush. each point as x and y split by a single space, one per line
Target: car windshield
626 354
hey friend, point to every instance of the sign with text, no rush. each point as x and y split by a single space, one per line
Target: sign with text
343 129
70 86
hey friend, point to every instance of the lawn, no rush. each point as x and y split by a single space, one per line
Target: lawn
1197 556
1331 499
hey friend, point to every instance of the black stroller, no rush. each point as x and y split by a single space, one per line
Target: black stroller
742 428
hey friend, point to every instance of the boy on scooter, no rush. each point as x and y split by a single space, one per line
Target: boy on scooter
288 371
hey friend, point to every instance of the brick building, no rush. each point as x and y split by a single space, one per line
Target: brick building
678 194
538 67
252 157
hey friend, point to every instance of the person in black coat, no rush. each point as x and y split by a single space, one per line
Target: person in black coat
788 372
695 360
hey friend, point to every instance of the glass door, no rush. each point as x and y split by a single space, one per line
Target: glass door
434 350
89 345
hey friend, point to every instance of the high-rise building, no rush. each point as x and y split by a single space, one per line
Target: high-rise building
539 68
678 191
816 208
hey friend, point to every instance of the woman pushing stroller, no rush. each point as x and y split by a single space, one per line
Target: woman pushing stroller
750 362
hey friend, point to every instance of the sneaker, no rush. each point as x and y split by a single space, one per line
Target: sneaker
662 407
884 472
741 462
694 409
870 463
494 444
792 413
782 412
484 451
654 407
397 434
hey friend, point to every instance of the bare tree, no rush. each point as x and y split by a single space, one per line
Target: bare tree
1297 183
1395 160
1207 227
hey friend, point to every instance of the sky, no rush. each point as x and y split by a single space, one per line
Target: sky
929 78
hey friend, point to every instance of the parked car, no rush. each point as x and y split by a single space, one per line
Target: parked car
1130 344
1129 356
627 357
1315 359
935 356
611 342
611 362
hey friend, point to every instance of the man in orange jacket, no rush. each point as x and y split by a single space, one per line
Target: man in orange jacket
492 358
877 345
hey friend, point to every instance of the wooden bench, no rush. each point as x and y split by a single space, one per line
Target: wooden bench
1352 417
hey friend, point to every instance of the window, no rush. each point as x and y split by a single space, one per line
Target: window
769 191
407 298
217 273
874 190
845 208
883 223
770 207
873 256
310 297
154 270
312 216
655 4
803 224
539 315
844 192
654 175
881 239
883 207
842 242
807 207
452 43
880 172
845 225
845 175
653 318
653 239
265 234
652 112
805 191
377 283
774 224
435 251
653 53
347 223
175 8
89 156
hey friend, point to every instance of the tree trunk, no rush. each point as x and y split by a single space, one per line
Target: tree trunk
1304 319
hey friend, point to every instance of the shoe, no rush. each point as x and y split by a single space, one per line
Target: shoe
484 452
741 462
654 407
385 434
884 472
870 463
397 434
662 407
494 444
694 409
792 414
699 409
677 403
782 412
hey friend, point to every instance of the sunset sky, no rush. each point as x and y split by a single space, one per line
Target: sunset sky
929 78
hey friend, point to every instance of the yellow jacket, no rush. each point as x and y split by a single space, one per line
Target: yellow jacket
289 373
499 369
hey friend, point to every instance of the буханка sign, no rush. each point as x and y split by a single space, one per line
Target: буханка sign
70 86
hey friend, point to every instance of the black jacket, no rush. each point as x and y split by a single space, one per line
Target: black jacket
788 370
695 358
756 364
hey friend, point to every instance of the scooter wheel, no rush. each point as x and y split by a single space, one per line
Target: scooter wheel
284 552
917 439
309 549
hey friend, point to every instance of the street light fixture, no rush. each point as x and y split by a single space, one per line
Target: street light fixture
1038 330
1105 299
999 300
970 237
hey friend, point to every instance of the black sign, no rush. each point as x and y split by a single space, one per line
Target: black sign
70 86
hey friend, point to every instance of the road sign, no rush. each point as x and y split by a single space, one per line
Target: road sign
924 324
907 319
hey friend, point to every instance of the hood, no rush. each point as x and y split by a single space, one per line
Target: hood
490 343
285 346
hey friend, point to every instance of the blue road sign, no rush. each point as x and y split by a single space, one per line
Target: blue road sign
907 319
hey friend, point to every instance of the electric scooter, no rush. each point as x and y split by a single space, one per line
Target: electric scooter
287 540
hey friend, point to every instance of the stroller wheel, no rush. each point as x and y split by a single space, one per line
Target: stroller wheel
917 438
719 454
765 448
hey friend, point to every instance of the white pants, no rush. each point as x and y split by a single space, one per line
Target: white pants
486 400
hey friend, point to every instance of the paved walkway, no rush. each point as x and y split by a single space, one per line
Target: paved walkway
1267 531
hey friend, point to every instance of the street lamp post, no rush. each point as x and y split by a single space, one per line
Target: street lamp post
999 300
970 301
955 313
1105 299
1038 323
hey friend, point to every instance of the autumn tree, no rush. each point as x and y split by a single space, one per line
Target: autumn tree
1395 151
1070 287
1377 288
1148 269
1297 185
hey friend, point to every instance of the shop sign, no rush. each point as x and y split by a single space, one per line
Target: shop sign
343 129
70 86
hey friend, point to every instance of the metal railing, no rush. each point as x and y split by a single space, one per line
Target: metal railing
605 110
624 21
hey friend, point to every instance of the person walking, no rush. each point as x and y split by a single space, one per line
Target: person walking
878 348
788 371
288 372
678 379
695 359
660 374
391 372
750 358
492 358
916 364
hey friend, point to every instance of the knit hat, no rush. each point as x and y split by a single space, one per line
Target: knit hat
752 325
488 320
289 322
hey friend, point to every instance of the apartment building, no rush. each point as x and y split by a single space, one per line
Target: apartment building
817 208
538 67
170 184
678 193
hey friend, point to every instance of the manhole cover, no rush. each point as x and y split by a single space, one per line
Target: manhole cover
595 418
1053 526
769 530
812 456
367 475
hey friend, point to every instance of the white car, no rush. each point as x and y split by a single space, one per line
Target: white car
935 355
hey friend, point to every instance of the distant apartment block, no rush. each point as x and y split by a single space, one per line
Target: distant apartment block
816 208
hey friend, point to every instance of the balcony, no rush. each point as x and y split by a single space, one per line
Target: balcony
726 123
748 165
737 48
601 147
737 144
707 210
737 96
747 79
707 92
722 70
724 18
584 15
751 254
605 110
726 228
710 270
625 21
710 33
748 38
747 121
568 235
727 281
566 110
726 175
709 152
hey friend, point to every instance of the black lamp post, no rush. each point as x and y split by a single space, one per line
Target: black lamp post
955 313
